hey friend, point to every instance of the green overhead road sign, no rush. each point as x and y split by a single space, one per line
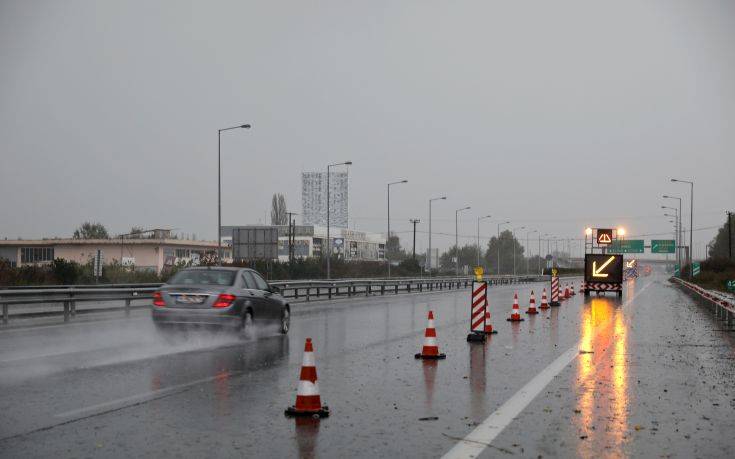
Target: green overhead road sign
695 269
626 246
663 246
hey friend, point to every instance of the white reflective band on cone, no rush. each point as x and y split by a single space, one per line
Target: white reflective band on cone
430 341
308 388
308 360
431 323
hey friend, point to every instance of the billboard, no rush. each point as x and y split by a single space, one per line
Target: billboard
255 243
603 268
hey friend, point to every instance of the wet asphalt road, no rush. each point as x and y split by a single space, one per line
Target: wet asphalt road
656 380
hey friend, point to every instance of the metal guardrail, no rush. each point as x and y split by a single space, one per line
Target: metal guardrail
722 305
300 290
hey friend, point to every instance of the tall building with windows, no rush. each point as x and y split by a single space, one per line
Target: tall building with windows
314 198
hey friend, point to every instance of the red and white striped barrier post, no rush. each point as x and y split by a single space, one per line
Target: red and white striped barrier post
477 312
515 313
308 401
554 291
430 349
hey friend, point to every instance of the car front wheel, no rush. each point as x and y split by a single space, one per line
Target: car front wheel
285 321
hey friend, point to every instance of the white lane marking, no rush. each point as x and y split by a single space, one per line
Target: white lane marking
475 443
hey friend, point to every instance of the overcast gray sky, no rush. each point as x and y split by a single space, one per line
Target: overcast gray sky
555 115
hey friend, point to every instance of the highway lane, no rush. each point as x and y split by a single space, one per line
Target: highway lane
117 388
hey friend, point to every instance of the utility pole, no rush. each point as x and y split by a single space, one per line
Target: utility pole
729 235
456 236
415 221
291 237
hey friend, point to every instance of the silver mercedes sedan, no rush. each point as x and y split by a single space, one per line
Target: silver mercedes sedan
237 298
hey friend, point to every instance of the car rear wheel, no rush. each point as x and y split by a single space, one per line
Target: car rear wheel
285 321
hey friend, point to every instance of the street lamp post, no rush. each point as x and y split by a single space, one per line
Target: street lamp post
329 245
678 230
499 225
429 258
677 217
513 243
387 240
219 188
539 250
528 258
691 219
456 236
478 236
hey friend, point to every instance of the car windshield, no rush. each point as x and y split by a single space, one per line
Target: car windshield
205 277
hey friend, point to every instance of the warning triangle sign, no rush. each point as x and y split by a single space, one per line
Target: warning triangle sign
604 239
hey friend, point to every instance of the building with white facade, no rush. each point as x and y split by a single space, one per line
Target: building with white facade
314 198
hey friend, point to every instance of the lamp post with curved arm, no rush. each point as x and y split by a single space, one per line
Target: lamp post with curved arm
219 188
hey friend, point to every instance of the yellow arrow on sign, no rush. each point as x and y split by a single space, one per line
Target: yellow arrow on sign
598 272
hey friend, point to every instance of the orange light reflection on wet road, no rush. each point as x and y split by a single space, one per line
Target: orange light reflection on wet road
602 372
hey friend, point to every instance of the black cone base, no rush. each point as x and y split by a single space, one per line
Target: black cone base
476 337
430 357
291 411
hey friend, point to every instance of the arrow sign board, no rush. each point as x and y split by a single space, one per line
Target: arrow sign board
603 268
663 246
626 246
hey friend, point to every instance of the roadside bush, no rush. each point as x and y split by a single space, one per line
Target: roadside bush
714 273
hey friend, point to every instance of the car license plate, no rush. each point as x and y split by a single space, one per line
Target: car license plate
190 299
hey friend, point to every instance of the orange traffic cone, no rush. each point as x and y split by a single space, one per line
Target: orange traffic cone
488 327
515 313
566 291
581 287
571 289
308 402
532 305
544 302
430 349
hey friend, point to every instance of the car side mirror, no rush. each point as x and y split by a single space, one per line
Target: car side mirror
274 289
